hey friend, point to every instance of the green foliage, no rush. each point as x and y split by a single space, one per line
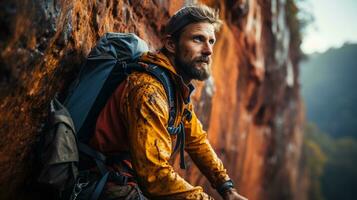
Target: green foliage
294 24
331 165
298 18
315 160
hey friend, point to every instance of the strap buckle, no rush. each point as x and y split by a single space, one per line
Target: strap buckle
120 178
78 187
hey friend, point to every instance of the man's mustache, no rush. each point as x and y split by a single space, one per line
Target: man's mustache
205 59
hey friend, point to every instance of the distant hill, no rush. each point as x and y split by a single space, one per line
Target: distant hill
329 87
331 165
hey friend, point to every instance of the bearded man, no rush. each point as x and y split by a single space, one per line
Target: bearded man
140 107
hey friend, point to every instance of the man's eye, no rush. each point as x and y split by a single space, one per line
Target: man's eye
197 39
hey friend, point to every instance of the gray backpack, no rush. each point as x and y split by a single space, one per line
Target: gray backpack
59 155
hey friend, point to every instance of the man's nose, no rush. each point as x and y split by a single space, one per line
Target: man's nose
207 49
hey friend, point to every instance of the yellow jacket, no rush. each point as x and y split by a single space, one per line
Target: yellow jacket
144 110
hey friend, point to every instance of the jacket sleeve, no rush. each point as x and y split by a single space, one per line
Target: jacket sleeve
145 110
202 153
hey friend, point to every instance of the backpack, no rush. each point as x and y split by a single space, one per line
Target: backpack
71 123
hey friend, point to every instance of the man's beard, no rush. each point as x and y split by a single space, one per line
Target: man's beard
191 71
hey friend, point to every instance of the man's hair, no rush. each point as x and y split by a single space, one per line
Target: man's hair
191 14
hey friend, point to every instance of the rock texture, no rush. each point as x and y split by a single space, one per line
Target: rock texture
251 107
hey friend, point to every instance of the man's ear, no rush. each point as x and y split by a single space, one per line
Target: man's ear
170 44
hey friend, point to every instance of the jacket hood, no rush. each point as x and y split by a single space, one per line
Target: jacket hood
158 58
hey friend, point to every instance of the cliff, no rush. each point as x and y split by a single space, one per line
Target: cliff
251 108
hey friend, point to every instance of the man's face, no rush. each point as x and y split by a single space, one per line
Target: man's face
193 55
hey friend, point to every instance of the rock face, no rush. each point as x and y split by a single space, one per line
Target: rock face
251 107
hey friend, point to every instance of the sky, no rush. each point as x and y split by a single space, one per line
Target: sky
335 23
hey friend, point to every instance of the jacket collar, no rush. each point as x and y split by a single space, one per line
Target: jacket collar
158 58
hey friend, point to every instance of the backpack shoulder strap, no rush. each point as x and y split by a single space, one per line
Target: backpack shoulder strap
164 77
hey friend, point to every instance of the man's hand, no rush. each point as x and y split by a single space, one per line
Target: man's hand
232 194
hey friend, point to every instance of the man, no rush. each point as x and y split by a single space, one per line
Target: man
135 119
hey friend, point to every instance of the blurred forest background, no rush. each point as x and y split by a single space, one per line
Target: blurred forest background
328 82
330 145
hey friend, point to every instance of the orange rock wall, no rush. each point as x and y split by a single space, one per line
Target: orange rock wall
251 108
